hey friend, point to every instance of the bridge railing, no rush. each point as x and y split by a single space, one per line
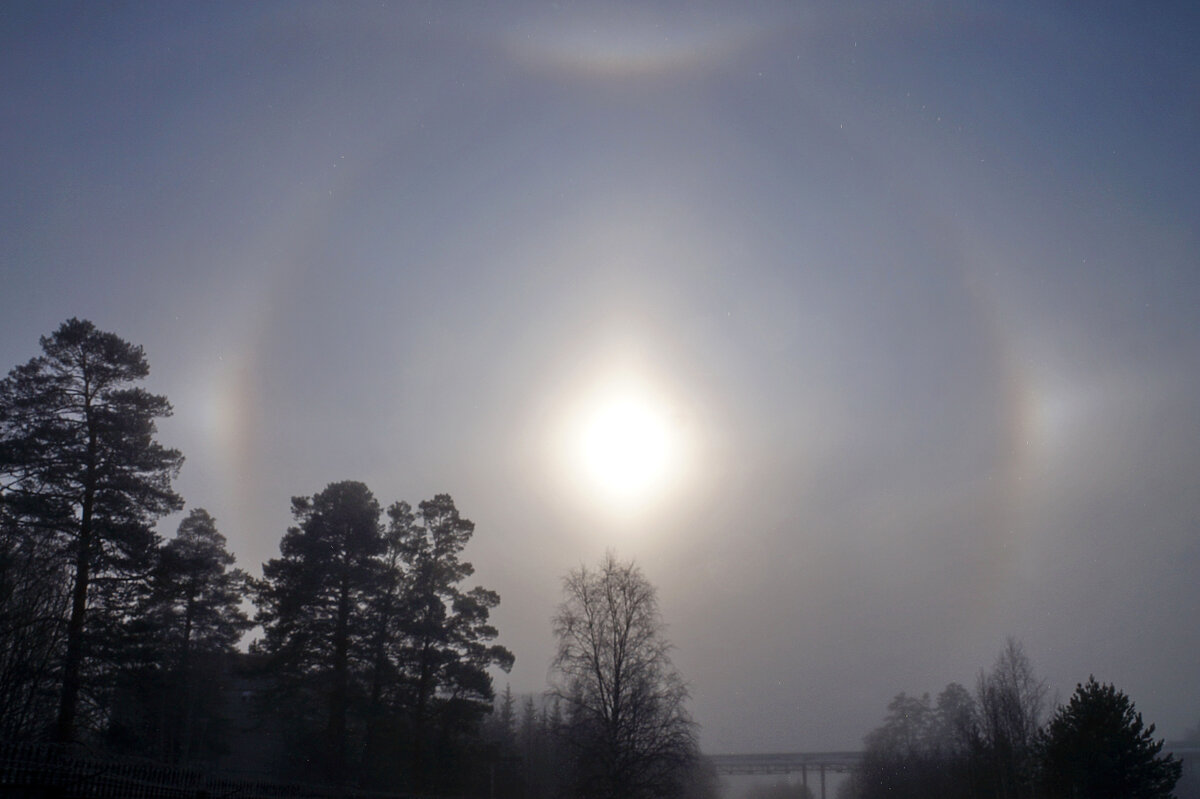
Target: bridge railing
785 762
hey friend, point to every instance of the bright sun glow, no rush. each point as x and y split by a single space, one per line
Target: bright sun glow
626 446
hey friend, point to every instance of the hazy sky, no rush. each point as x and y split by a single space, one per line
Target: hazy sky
912 289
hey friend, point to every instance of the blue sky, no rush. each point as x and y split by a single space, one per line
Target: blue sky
914 283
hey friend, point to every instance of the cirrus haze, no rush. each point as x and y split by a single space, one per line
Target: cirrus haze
868 329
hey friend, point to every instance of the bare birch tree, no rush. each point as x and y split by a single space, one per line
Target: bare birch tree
627 726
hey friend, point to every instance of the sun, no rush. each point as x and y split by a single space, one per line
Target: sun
626 446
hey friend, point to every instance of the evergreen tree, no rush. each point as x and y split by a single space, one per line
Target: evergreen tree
528 731
80 469
313 605
506 716
373 628
500 729
196 618
443 649
385 608
544 764
1097 746
197 595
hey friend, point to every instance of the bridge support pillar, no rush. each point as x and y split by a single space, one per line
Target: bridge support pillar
822 781
804 775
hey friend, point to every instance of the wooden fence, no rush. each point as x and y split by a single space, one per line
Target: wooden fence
47 771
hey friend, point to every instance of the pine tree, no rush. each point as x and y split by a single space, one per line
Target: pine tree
196 619
80 469
443 648
313 605
384 608
506 717
1097 746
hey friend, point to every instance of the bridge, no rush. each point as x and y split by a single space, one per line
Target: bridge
788 763
843 762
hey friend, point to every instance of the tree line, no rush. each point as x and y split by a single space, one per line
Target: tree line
374 658
999 744
374 663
